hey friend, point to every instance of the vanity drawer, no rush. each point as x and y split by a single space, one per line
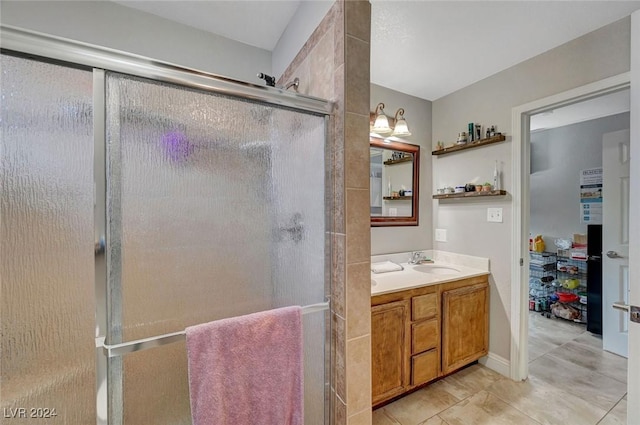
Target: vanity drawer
424 306
424 336
424 367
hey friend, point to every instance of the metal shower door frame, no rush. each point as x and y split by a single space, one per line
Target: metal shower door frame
87 55
100 59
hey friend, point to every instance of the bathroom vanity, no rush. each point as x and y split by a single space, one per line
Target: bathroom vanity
427 321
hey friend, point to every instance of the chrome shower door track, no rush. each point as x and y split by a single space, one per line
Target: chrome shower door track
75 52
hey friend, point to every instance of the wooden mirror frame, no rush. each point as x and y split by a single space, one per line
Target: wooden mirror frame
380 221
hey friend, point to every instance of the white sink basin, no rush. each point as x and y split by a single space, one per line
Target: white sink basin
433 269
419 275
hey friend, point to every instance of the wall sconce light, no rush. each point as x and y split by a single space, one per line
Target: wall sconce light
385 126
381 124
401 128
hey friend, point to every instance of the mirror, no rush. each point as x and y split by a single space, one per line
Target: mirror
394 175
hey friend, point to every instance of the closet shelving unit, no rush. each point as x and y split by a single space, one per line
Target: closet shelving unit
572 269
549 274
542 274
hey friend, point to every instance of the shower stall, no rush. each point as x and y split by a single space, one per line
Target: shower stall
139 198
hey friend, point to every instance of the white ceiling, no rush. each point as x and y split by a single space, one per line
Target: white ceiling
432 48
257 23
423 48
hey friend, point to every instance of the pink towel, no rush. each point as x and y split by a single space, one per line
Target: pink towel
247 370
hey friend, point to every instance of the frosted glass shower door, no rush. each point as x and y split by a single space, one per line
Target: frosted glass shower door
216 208
46 244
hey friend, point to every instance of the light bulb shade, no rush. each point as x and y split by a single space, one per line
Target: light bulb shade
401 128
381 124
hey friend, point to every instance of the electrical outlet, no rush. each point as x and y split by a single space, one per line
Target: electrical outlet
441 235
494 215
393 212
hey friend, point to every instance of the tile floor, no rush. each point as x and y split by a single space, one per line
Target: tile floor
571 382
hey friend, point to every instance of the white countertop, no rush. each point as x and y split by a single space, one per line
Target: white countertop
450 268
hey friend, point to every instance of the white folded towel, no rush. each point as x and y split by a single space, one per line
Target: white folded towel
386 266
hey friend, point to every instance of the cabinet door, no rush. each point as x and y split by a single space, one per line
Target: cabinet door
389 359
465 326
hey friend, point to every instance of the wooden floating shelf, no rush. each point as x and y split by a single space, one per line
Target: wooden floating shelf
397 198
470 145
407 158
470 194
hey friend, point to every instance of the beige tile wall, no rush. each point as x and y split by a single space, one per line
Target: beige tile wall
341 44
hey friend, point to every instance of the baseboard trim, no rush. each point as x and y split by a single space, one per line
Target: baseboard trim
496 363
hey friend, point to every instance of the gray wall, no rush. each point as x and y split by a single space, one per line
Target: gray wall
418 115
307 17
557 157
592 57
111 25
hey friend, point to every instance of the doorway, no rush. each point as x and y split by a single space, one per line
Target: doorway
521 166
521 119
566 201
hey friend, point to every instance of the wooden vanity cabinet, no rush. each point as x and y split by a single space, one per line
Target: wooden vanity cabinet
421 334
389 358
465 325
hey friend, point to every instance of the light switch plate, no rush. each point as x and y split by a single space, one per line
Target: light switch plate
494 215
441 235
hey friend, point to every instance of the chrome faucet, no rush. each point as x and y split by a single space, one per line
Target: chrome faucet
416 257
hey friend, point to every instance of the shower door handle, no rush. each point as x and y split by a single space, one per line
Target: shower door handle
295 230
